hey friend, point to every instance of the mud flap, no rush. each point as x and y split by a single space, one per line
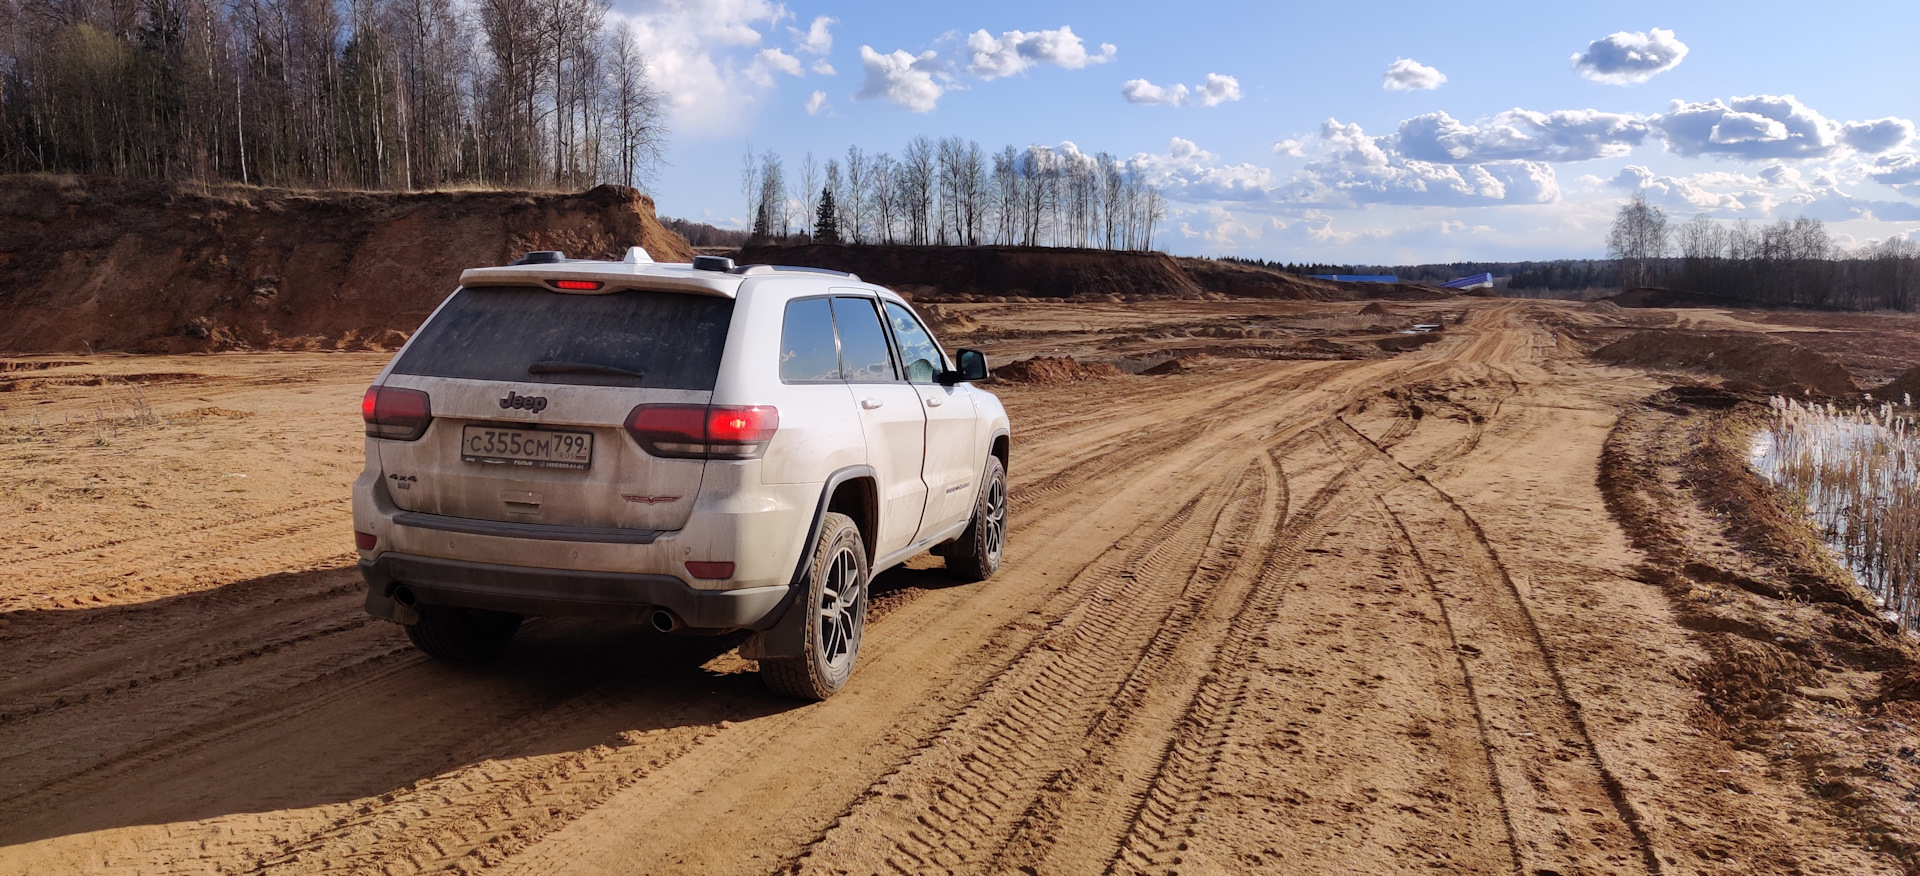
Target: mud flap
788 635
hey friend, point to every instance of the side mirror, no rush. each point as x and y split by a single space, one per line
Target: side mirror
972 366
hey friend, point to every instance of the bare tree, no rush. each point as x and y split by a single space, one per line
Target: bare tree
1638 240
639 132
916 180
854 202
805 194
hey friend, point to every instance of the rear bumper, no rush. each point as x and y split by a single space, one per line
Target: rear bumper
559 592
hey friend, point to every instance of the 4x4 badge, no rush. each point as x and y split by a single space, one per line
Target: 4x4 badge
650 500
534 403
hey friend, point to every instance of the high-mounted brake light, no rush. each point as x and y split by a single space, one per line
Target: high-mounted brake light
392 412
580 285
703 432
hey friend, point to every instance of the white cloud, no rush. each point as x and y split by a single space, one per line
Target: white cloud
1351 168
1217 89
1776 192
816 102
770 61
1291 148
1144 92
1187 172
913 82
1219 227
1902 171
1521 135
1214 90
1878 135
1759 127
1780 175
821 67
1407 74
1015 51
1628 58
817 39
697 55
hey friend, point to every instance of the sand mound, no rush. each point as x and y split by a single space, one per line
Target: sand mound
1375 309
1602 306
1053 371
1907 384
1182 365
150 267
948 320
1747 360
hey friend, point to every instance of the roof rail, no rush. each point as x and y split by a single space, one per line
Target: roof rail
768 269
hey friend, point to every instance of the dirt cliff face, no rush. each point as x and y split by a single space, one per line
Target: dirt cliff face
102 265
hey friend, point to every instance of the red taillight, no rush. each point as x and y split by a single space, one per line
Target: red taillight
580 285
702 432
365 540
709 571
399 414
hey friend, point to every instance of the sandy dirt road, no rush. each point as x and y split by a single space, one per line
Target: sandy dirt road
1292 617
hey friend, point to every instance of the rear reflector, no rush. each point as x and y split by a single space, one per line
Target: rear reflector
702 432
365 540
395 413
709 571
580 285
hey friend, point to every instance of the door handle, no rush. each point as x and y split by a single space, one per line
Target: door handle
934 401
870 403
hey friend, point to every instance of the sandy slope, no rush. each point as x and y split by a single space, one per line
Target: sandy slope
1272 616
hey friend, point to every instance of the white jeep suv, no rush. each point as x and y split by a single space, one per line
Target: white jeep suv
702 447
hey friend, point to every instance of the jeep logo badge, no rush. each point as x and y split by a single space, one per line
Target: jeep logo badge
534 403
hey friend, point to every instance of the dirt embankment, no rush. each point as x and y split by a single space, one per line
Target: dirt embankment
100 265
1252 281
1907 385
1800 670
1647 296
999 273
1747 360
969 273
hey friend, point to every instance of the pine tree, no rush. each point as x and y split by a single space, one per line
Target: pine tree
762 224
827 227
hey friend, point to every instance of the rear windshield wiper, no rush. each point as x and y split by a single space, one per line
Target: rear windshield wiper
579 368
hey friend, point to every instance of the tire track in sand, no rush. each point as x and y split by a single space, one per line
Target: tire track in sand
952 804
1567 811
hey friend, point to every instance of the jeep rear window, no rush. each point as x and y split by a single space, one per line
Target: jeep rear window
656 340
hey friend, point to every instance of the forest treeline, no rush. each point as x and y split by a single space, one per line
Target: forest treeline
377 94
951 192
1788 263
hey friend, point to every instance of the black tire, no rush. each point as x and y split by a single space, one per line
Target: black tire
462 634
836 607
975 555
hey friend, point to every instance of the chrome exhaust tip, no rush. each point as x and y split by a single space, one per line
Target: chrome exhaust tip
664 621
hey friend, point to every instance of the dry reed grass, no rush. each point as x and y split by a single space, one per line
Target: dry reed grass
1858 470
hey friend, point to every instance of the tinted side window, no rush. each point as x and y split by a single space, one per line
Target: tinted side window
917 350
864 357
807 350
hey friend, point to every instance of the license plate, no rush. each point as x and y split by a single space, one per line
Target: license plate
542 448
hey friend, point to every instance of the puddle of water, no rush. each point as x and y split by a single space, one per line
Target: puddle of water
1859 473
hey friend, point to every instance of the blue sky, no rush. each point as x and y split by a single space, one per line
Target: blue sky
1287 141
